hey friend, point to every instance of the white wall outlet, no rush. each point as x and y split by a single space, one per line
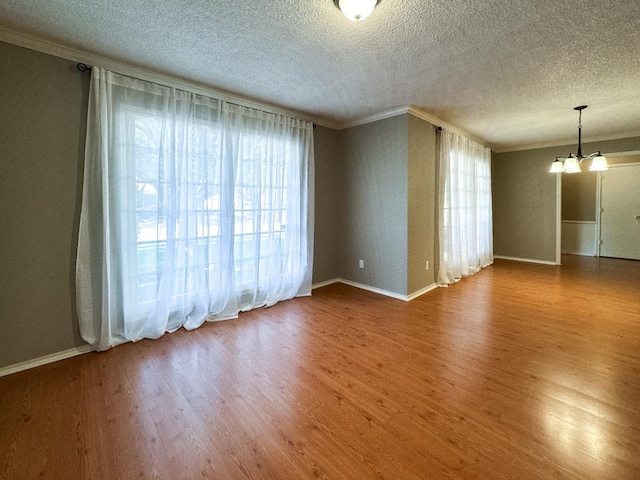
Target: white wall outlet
361 263
426 266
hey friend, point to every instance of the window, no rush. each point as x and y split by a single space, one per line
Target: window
465 218
203 206
183 215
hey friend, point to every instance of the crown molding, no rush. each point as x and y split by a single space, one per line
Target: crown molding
374 118
427 117
416 112
538 146
78 55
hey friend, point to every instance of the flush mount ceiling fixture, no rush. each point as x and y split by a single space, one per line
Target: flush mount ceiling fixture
356 10
571 164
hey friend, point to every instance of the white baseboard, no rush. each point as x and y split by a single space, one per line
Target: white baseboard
36 362
422 291
325 283
380 291
528 260
369 288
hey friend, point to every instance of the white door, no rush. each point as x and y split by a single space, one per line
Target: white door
620 215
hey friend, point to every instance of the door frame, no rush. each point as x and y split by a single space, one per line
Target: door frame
598 203
599 191
559 218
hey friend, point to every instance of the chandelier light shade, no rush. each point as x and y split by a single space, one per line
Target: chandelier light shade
557 167
571 164
356 10
599 164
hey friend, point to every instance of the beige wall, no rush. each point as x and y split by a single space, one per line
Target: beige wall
524 198
42 127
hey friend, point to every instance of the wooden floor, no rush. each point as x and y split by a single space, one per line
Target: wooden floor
521 371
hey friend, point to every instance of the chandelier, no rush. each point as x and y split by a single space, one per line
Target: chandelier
571 164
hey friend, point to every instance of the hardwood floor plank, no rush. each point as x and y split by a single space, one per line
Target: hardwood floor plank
520 371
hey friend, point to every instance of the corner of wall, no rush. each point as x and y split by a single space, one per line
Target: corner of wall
421 200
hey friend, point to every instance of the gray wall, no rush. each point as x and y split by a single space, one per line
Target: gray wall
374 206
421 219
524 204
329 203
373 182
375 201
579 196
42 125
524 198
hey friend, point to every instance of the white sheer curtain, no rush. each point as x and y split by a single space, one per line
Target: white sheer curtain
465 214
193 209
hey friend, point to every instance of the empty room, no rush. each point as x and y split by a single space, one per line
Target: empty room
336 239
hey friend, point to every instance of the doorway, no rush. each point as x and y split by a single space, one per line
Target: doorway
580 199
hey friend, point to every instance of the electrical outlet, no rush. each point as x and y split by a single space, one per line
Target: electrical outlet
427 265
361 263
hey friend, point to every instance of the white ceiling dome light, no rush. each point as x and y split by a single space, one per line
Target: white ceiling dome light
356 10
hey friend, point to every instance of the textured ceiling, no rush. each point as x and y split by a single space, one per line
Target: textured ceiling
507 71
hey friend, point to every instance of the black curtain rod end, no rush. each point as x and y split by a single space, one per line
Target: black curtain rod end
83 67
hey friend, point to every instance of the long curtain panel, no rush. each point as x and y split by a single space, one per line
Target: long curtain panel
193 209
465 211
